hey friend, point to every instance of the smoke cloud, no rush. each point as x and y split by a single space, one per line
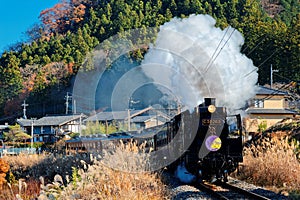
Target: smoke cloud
198 60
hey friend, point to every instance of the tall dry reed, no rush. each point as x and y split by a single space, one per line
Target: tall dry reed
272 163
119 173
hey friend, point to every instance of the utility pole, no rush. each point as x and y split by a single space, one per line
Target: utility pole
31 143
80 124
271 76
74 106
67 102
128 113
24 109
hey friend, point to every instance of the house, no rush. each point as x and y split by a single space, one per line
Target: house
3 128
266 109
48 128
140 119
148 121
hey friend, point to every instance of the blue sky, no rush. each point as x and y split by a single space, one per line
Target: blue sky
17 16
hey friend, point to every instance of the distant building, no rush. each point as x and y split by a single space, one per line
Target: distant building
48 128
267 107
148 121
3 128
140 119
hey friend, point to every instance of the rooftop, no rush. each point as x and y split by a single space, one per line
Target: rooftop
55 120
269 111
269 91
109 116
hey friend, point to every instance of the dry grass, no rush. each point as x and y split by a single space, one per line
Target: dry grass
111 176
119 174
129 157
272 163
21 190
45 165
23 162
102 182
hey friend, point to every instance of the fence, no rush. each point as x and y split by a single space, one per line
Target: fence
16 151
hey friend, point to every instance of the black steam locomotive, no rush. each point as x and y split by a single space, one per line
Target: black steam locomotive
216 147
205 141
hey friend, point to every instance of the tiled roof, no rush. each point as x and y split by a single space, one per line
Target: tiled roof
109 116
136 116
138 119
145 118
268 91
24 122
269 111
49 120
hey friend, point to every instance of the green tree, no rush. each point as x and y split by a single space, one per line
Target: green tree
291 8
10 77
15 133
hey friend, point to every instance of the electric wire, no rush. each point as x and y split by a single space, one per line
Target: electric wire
260 64
207 66
220 50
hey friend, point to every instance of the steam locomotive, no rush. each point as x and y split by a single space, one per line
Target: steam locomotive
216 148
205 141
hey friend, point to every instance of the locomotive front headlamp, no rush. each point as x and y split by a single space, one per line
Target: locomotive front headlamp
211 108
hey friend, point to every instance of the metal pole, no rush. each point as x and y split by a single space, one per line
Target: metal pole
24 109
80 122
271 76
128 112
31 134
74 106
67 103
271 79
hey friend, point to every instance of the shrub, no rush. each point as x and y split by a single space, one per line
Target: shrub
272 163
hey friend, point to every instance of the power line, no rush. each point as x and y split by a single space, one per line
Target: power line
206 67
261 64
261 40
276 91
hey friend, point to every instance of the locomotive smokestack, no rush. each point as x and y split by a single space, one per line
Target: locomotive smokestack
209 101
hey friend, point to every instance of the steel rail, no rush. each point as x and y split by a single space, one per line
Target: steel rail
208 189
242 191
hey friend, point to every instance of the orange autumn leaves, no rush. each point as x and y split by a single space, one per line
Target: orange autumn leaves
4 167
62 15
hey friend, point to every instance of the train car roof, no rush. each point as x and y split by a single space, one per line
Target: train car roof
101 137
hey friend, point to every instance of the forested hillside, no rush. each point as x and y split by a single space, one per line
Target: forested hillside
41 69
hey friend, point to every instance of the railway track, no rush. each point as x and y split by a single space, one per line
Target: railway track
227 191
234 189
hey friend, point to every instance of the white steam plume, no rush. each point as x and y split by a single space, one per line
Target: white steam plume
199 60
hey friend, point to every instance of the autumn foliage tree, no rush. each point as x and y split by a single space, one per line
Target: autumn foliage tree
62 16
